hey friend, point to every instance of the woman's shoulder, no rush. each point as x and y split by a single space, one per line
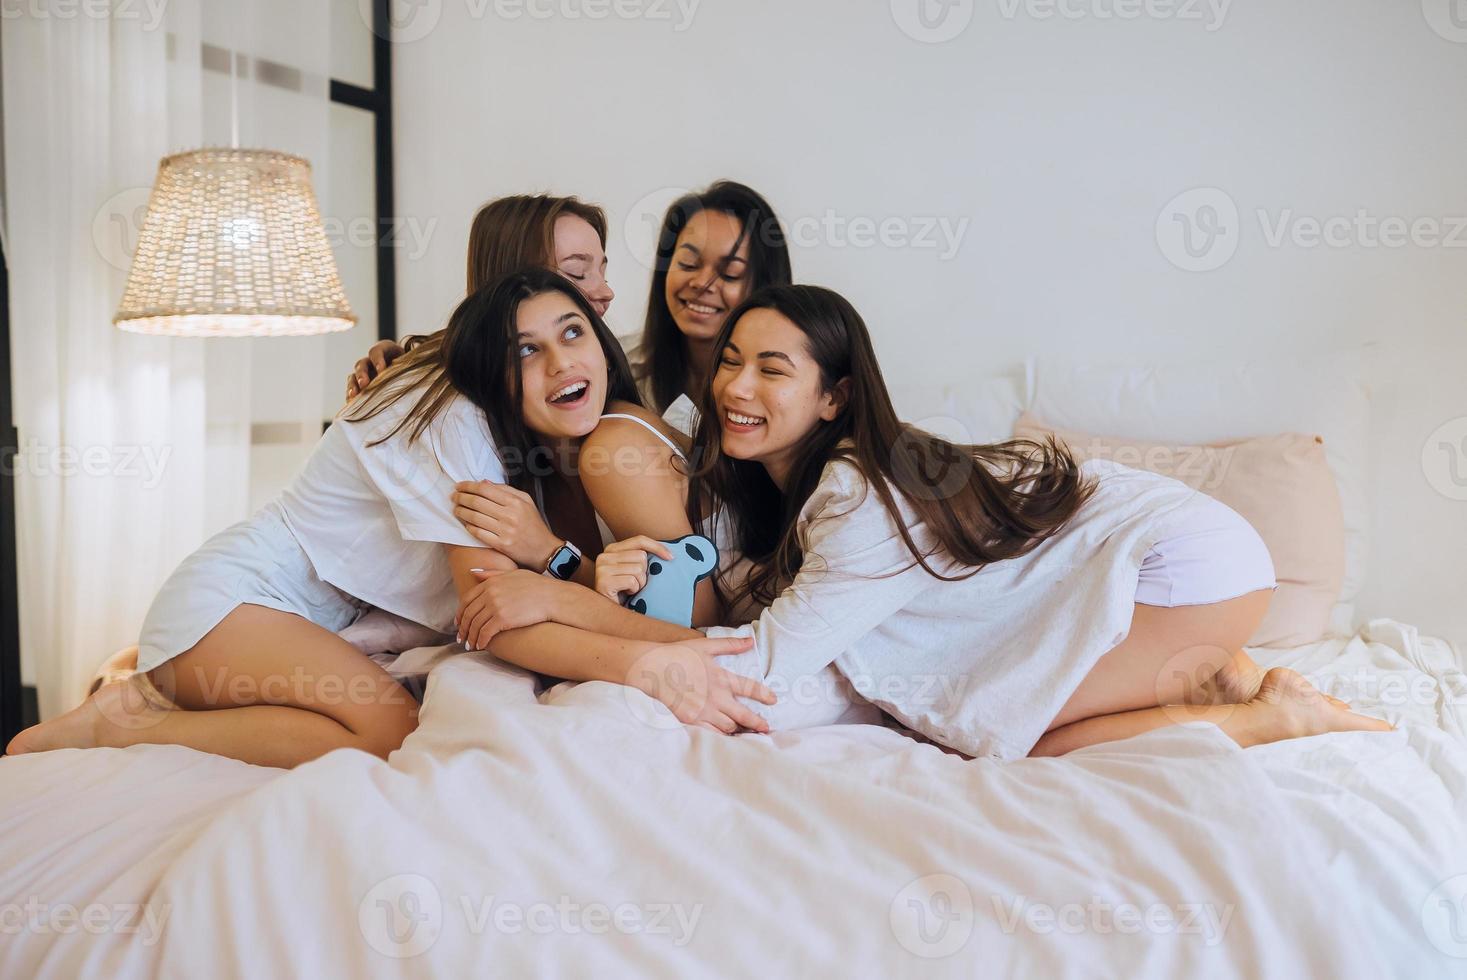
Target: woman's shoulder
390 424
613 432
844 486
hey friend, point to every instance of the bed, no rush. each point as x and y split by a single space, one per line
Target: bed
576 831
580 831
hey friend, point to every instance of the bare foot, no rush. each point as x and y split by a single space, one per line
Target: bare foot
117 708
1295 708
1236 683
121 664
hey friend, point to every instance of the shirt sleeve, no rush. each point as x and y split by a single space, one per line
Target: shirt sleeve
857 572
417 479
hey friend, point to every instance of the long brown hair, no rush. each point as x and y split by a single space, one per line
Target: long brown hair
986 503
662 354
478 358
513 233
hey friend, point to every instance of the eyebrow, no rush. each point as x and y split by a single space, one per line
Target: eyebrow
781 355
572 315
727 259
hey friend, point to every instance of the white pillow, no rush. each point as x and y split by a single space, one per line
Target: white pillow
1217 399
979 410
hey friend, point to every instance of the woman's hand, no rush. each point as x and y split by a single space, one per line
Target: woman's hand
379 356
622 568
505 601
505 519
696 690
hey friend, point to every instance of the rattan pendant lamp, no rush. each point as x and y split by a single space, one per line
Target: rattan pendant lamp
233 246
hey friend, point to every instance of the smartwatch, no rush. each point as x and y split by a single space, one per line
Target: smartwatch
564 562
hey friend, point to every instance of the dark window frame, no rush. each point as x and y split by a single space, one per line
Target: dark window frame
378 101
13 713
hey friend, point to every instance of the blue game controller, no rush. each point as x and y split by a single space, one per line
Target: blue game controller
668 595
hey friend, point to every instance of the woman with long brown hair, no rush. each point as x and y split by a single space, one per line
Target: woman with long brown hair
716 247
1001 600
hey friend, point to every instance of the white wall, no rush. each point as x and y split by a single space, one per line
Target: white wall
1057 140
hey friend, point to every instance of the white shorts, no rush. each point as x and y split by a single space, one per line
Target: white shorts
257 561
1215 555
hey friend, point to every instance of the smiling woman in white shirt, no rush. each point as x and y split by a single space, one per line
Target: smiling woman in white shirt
1001 600
242 637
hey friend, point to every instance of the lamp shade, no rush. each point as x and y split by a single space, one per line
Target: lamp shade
233 246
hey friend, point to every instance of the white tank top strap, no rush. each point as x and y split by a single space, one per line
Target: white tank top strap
649 427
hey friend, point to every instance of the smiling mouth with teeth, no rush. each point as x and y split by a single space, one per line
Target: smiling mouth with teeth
702 308
570 392
738 419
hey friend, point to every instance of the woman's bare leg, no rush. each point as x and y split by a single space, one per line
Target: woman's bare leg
1186 663
265 687
1285 706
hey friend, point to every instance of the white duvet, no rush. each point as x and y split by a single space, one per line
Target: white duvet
581 833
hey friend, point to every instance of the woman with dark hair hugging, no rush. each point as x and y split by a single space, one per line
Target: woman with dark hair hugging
242 639
1001 600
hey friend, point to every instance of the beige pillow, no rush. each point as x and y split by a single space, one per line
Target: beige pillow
1281 484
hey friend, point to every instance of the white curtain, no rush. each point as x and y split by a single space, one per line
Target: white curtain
132 449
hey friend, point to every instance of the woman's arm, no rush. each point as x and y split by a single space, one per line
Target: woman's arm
680 673
857 572
635 483
506 600
379 356
507 520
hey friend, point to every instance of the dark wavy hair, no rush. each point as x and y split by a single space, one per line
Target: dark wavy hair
478 358
662 354
983 503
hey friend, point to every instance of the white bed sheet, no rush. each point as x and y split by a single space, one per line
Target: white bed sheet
578 832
